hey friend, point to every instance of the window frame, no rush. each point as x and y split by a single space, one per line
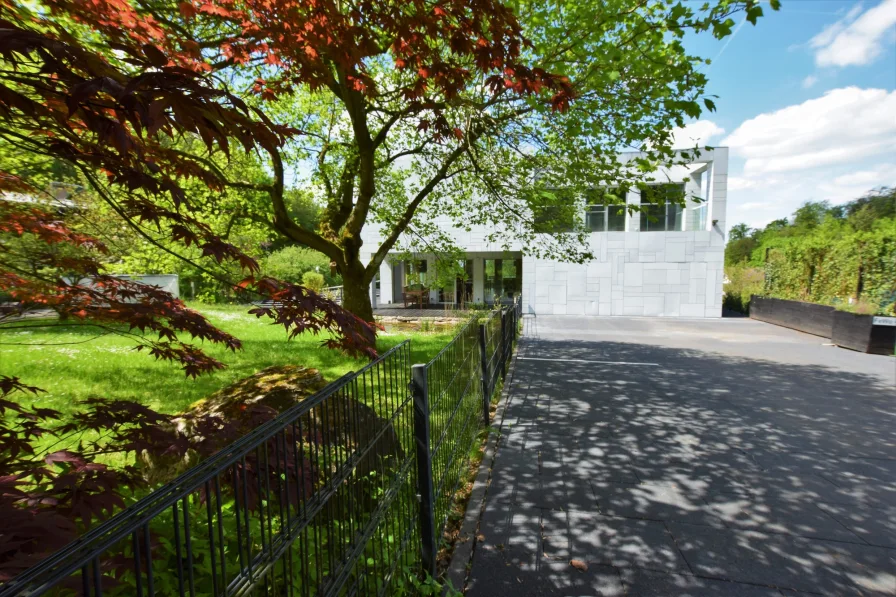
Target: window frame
644 222
598 205
497 285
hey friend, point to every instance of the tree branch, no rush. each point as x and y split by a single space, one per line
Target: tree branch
410 210
284 224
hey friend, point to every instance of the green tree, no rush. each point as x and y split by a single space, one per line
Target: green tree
739 232
292 262
407 114
740 250
877 205
234 214
473 160
313 280
811 214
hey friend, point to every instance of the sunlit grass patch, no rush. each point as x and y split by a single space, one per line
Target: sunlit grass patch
75 362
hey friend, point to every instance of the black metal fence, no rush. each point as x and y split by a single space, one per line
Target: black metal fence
343 494
454 391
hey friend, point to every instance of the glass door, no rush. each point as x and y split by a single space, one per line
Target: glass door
503 280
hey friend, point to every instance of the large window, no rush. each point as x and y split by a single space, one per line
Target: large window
661 209
415 273
605 218
605 211
555 212
503 279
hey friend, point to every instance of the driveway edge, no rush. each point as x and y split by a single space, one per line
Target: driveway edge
462 557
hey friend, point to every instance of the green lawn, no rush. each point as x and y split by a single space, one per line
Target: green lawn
70 364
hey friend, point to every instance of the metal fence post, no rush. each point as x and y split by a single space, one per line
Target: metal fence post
514 323
425 493
505 345
486 395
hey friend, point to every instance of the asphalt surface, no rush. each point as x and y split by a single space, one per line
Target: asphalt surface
675 457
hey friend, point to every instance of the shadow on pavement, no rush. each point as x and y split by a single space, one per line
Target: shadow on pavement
686 472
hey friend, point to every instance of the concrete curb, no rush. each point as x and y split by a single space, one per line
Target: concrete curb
457 571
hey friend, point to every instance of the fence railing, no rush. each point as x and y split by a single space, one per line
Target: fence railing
333 293
455 390
345 493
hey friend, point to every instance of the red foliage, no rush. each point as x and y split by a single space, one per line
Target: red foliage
111 108
48 499
113 119
45 499
305 38
70 102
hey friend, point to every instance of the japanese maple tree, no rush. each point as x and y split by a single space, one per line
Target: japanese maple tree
397 112
96 91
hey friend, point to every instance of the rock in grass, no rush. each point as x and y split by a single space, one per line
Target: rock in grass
228 414
278 387
340 429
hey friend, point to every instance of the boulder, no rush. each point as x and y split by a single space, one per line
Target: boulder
278 387
340 423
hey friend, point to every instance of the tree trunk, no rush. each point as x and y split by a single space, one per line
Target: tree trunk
356 293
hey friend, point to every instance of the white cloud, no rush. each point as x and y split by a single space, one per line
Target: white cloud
764 199
856 39
830 33
841 126
809 81
835 148
695 134
756 205
737 183
853 185
874 176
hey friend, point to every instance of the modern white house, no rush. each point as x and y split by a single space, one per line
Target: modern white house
667 265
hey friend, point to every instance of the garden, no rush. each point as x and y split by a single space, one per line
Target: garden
843 256
100 376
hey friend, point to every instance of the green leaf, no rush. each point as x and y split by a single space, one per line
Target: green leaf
710 105
754 13
723 29
692 109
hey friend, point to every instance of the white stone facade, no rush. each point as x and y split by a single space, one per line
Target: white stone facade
666 274
655 273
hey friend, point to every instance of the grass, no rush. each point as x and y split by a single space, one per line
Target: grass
72 364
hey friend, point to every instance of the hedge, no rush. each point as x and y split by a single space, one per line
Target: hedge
833 264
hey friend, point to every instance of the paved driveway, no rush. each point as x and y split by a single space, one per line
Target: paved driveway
667 457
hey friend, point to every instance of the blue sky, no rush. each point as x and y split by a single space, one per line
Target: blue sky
807 104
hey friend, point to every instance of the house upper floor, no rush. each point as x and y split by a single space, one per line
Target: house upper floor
684 197
688 197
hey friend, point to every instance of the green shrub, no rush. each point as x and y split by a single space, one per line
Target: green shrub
291 263
835 264
743 282
313 280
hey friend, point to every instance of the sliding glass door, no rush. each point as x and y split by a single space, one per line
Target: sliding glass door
503 280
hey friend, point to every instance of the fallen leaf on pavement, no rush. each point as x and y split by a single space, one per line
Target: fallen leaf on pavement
579 565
